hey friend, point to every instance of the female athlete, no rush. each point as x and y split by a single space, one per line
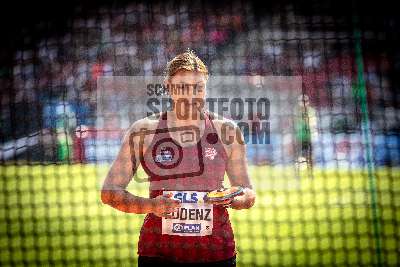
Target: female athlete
185 157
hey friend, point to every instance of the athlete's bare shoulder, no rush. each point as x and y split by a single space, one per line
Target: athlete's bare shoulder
228 131
148 123
222 122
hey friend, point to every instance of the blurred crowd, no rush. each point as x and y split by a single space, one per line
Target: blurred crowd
56 79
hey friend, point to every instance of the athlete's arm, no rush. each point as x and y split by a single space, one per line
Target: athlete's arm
123 168
238 173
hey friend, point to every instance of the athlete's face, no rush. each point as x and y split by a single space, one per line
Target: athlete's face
188 89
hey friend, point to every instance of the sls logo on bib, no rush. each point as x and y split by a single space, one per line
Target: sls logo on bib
185 197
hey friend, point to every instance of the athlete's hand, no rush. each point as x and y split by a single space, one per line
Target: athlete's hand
164 205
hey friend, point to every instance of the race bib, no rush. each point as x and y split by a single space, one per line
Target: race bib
194 217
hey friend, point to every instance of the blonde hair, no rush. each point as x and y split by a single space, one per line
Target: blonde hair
185 61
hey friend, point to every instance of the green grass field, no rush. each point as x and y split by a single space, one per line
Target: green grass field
52 215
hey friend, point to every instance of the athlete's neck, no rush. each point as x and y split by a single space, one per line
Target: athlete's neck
196 118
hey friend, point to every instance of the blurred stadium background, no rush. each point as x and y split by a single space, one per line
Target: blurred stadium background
54 152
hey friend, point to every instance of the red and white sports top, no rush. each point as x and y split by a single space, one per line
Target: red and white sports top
193 235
